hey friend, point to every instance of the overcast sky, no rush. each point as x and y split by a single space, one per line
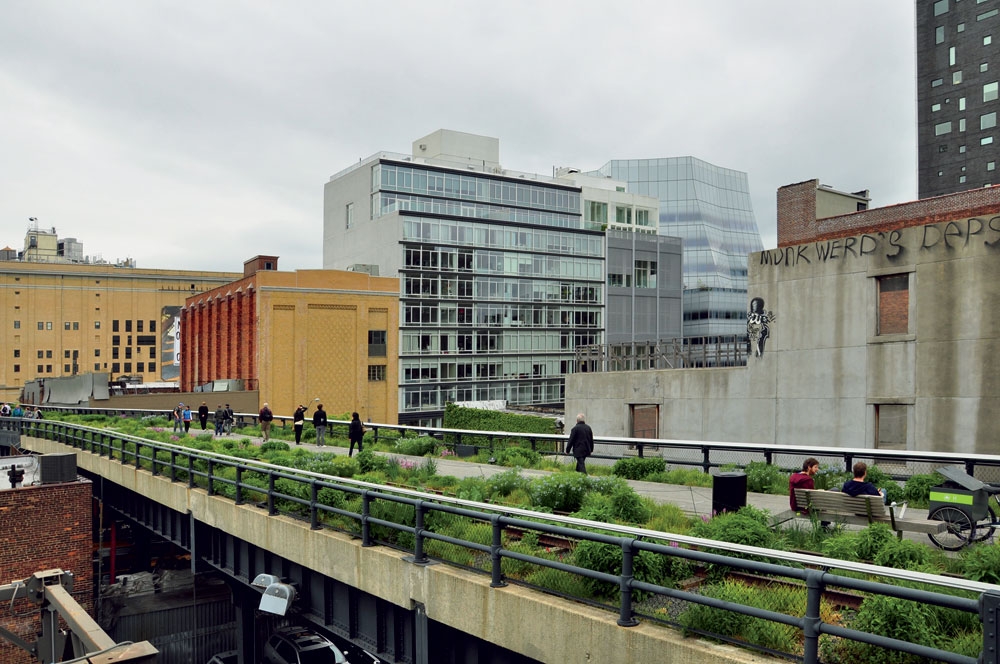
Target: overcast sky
197 134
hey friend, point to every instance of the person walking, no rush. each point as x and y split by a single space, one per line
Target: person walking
319 421
5 410
176 417
356 432
265 421
187 419
220 419
581 443
229 417
203 415
298 420
17 412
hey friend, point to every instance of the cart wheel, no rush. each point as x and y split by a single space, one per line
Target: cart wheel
959 531
985 528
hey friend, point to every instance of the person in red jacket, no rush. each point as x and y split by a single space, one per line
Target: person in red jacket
802 480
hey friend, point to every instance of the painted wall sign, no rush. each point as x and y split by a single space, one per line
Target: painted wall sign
758 325
893 244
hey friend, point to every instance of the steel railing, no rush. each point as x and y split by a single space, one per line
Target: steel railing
698 453
185 464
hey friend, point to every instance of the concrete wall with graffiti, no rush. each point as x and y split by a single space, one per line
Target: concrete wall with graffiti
822 371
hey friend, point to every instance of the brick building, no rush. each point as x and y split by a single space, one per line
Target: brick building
43 527
294 336
876 328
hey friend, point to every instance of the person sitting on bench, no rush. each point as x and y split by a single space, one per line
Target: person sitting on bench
803 480
859 487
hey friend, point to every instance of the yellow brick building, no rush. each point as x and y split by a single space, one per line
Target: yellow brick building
295 336
61 319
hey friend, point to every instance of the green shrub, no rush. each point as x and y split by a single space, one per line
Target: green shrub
667 518
917 489
472 488
830 477
596 507
274 446
517 456
647 566
763 477
843 547
628 507
369 462
981 562
331 497
739 528
636 468
872 539
560 491
902 619
505 483
475 419
902 554
415 446
878 477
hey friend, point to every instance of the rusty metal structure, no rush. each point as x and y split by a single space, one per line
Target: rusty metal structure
678 353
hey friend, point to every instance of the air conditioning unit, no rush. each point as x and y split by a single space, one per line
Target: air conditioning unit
57 468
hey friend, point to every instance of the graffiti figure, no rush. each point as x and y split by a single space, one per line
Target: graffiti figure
757 325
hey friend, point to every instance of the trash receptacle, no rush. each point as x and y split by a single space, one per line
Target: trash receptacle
729 491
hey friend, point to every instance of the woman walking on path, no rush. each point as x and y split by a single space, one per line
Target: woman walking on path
319 421
298 420
356 432
187 419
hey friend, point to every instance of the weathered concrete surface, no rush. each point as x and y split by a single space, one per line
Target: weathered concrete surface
825 368
532 623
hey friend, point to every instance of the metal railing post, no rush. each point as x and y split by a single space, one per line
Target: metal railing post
811 619
768 457
989 614
366 529
706 462
190 471
970 468
270 494
313 512
848 462
375 436
625 617
418 534
639 447
239 485
152 460
496 580
173 465
211 468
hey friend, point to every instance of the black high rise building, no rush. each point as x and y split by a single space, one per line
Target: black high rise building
958 68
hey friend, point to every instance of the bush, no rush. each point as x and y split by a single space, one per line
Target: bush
472 488
596 507
841 547
830 477
981 562
560 491
517 456
369 462
902 554
457 417
415 446
740 528
505 483
682 476
636 468
649 567
274 446
628 507
917 489
667 518
872 539
763 477
902 619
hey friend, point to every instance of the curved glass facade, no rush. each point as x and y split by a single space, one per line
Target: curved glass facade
709 207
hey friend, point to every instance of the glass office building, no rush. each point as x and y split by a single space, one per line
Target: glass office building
709 208
500 280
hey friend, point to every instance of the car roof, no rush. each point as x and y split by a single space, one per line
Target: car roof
303 638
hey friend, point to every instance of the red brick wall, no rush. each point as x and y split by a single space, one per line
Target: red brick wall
893 312
222 342
43 527
797 223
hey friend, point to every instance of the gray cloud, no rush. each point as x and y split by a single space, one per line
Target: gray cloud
198 134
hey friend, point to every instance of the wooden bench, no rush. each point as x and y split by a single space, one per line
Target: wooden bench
862 510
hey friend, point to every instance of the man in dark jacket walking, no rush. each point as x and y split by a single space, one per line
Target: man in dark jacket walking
581 443
356 432
220 418
265 416
203 415
319 421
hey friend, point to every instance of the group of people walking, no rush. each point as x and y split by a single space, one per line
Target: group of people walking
182 416
27 412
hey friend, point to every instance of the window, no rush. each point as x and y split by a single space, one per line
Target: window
17 325
97 352
376 343
114 326
128 367
48 354
893 304
937 82
961 179
17 352
115 367
128 326
97 366
961 103
48 368
642 217
951 56
645 274
138 326
66 325
984 67
961 149
986 141
116 340
595 211
991 165
145 340
41 368
623 215
376 372
152 354
986 15
66 354
987 40
956 77
961 27
152 326
349 215
988 121
97 324
76 325
65 368
939 34
140 367
942 128
942 148
935 108
41 355
114 353
990 91
940 7
890 426
128 352
41 325
961 124
17 368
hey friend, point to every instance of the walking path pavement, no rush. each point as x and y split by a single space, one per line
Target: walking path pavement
692 500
